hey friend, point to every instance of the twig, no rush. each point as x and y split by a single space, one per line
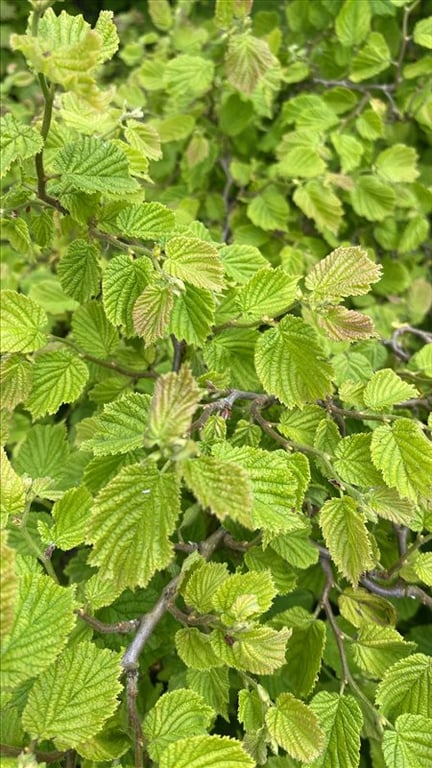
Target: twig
109 364
386 87
224 405
179 353
41 757
335 410
396 348
224 163
405 40
399 590
122 627
134 718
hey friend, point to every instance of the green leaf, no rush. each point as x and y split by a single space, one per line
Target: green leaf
344 529
404 456
353 461
269 210
152 311
300 425
70 517
188 77
221 485
349 149
120 427
296 547
247 59
58 377
302 162
387 503
23 323
107 29
397 164
92 331
176 714
17 233
341 324
206 752
269 293
232 352
8 586
160 14
147 221
12 490
257 587
410 744
414 234
372 199
192 315
353 22
377 648
175 399
423 567
145 138
423 32
250 710
359 607
406 687
123 281
304 650
18 141
241 262
295 727
373 58
257 559
43 452
320 204
16 375
132 518
344 272
43 620
195 649
342 720
202 585
195 261
290 363
213 686
62 704
78 270
259 650
385 389
93 165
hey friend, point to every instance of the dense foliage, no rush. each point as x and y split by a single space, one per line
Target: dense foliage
217 471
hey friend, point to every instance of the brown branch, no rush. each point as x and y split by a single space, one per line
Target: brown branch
224 405
41 757
399 590
179 353
121 627
397 349
133 716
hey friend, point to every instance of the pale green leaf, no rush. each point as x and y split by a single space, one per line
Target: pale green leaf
144 138
213 686
353 461
299 162
291 364
195 261
269 210
18 141
12 490
300 425
227 599
206 752
132 519
192 315
371 59
372 199
320 204
344 272
296 546
15 380
377 648
387 503
71 700
174 128
17 233
43 452
397 164
259 650
93 165
43 620
349 149
341 720
160 14
358 606
423 32
284 577
147 221
78 270
175 399
195 649
295 727
152 311
120 427
23 323
423 567
353 22
8 586
269 293
123 281
202 585
241 262
58 377
385 389
404 456
344 529
250 710
342 324
188 77
406 687
107 29
176 714
304 650
410 744
247 59
70 515
92 331
414 234
223 486
231 352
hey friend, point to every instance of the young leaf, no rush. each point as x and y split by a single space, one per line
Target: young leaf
232 352
422 565
63 704
247 59
152 311
123 281
58 377
290 363
359 607
8 586
70 515
17 141
344 272
385 389
23 324
397 164
176 714
387 503
304 650
269 210
222 486
44 451
213 686
12 490
195 261
410 744
92 330
43 620
147 221
195 649
372 58
132 518
205 752
284 577
353 461
423 32
120 427
192 315
320 204
241 262
342 324
175 399
404 456
406 687
377 648
353 23
202 585
93 165
259 650
227 599
342 720
267 294
372 199
107 29
78 270
344 529
295 727
16 375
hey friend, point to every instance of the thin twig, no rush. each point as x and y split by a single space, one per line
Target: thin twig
109 364
335 410
133 716
224 163
121 627
399 590
179 353
41 757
